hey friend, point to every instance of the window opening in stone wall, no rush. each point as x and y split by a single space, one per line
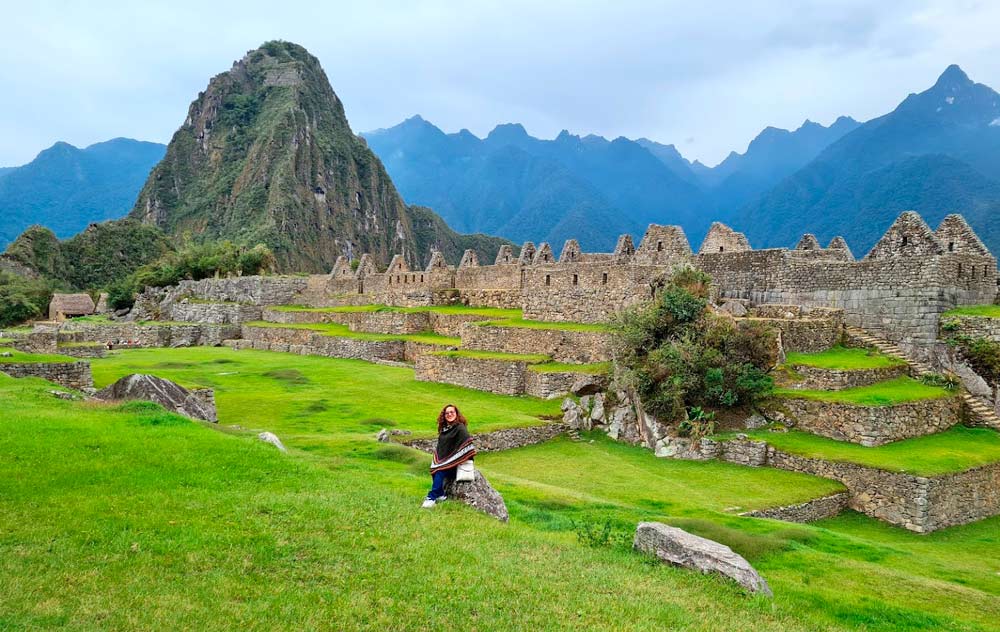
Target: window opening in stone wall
721 248
960 270
659 246
390 280
575 279
905 239
973 269
548 280
397 278
604 279
421 278
951 246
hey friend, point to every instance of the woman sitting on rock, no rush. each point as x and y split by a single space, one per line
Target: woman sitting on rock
454 447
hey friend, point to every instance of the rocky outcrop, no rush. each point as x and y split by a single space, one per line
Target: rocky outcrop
680 548
479 494
170 395
270 437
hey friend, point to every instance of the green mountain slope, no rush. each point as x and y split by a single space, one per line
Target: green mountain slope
266 155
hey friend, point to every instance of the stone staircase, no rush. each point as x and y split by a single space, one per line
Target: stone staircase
917 368
983 415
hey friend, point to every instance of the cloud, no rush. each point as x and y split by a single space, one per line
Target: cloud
715 73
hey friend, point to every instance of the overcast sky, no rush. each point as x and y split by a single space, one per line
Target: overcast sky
707 78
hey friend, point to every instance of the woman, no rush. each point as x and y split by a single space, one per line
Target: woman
454 447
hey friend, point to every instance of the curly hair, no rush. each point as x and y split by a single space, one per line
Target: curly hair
459 418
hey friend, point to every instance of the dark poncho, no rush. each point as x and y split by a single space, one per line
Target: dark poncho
454 447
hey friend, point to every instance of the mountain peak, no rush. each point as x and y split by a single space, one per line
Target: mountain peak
953 77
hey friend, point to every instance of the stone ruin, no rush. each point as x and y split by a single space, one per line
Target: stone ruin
898 290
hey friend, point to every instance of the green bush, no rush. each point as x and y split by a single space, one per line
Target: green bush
681 358
982 354
22 299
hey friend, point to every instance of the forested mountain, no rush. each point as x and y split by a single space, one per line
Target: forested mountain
938 152
517 186
66 188
266 155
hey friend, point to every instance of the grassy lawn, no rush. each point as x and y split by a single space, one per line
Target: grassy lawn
843 358
542 324
32 358
489 312
316 399
987 311
954 450
128 517
594 368
887 393
530 358
338 330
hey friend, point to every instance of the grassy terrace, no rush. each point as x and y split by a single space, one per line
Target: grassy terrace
530 358
595 368
198 529
955 450
986 311
342 331
33 358
843 358
488 312
887 393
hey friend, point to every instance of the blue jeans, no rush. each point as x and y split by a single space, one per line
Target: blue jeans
440 479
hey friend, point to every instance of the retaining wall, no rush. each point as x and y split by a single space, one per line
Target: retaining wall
496 376
578 347
814 378
74 375
498 440
873 425
305 342
810 511
214 313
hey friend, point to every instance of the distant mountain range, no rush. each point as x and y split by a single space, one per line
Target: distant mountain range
66 188
592 189
938 152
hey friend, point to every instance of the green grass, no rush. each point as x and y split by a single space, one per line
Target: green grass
954 450
843 358
530 358
342 331
594 368
6 341
887 393
540 324
93 318
33 358
319 399
986 311
489 312
192 528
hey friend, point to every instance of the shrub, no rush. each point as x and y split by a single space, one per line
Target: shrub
680 357
982 354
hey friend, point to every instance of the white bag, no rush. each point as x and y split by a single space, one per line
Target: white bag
466 472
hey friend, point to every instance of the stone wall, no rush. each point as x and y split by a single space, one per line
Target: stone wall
579 347
548 384
976 326
814 378
963 497
499 440
74 375
805 335
214 313
152 335
872 425
496 376
305 342
810 511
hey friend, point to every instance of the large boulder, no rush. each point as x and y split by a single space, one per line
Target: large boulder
680 548
479 494
170 395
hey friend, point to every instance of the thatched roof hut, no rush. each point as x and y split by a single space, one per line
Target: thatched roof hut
69 305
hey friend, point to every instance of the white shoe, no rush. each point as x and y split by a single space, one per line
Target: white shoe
428 503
